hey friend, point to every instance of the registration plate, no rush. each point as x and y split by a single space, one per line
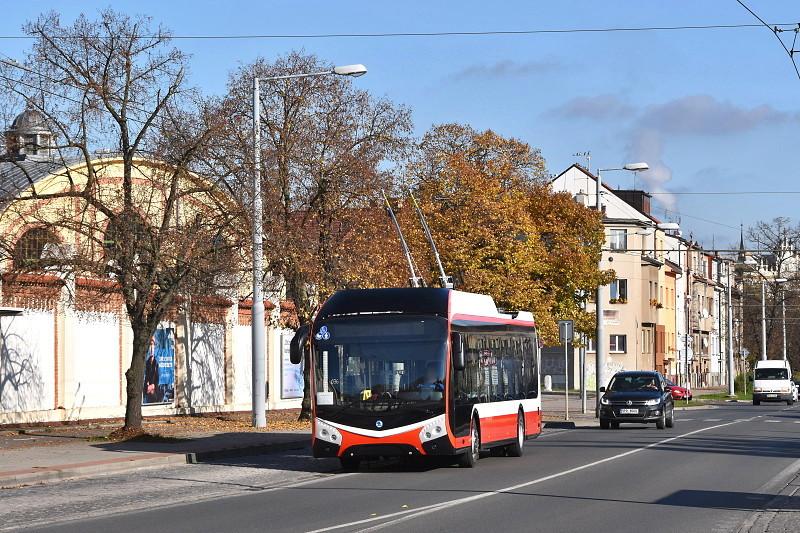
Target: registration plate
772 395
629 411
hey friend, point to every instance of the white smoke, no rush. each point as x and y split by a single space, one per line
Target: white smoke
647 145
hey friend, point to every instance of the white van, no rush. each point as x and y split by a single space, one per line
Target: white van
773 382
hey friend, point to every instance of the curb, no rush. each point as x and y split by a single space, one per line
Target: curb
49 474
194 458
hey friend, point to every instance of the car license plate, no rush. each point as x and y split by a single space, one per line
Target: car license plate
629 411
772 395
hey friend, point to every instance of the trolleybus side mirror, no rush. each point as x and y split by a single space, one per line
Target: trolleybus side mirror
457 351
298 344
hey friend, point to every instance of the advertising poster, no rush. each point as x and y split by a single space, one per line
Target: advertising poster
159 368
291 375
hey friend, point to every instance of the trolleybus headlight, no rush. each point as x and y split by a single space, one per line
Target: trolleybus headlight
327 432
605 401
432 430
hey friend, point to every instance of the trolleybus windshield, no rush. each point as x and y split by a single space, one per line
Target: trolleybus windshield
381 363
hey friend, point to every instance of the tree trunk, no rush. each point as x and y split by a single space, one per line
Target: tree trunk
134 378
305 407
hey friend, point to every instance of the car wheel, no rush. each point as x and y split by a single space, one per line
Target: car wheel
515 450
671 418
470 458
614 425
661 423
350 464
789 402
756 402
604 423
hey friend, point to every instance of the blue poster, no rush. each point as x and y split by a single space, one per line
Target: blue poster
159 368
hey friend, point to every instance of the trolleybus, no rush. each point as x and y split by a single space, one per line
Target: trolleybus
419 372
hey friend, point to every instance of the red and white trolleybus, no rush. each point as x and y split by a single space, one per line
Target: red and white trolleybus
420 372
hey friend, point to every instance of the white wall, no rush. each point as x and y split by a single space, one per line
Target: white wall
27 362
242 365
95 361
207 364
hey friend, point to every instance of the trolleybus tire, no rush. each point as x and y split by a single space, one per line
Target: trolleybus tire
470 458
516 449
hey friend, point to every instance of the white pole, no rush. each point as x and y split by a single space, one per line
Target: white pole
763 320
783 321
600 340
257 323
566 379
731 370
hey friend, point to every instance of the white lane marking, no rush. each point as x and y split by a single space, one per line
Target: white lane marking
712 420
773 421
414 513
686 419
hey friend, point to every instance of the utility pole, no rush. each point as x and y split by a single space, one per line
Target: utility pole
763 320
688 313
731 371
783 321
600 341
258 341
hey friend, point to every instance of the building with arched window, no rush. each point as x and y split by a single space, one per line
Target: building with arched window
65 356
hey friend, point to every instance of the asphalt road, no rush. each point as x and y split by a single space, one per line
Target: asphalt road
707 474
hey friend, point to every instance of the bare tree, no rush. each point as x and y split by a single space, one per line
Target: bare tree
140 213
328 149
776 257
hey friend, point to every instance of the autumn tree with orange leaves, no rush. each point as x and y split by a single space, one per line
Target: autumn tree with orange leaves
500 228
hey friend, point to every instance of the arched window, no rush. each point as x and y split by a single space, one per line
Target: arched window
30 247
127 233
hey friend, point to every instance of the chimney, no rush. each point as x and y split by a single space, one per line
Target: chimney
639 200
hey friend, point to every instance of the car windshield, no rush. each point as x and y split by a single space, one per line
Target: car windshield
771 373
634 383
380 363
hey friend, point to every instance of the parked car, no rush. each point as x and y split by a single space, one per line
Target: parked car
678 392
638 397
772 382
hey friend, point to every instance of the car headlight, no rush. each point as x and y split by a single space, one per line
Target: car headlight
654 401
605 401
757 389
433 429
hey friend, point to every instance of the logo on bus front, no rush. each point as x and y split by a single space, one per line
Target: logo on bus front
323 334
379 424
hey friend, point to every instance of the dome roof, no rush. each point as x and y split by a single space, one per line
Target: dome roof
30 121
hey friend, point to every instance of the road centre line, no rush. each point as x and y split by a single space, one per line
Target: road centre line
410 514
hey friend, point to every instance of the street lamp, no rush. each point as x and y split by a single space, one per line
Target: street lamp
764 318
600 346
257 323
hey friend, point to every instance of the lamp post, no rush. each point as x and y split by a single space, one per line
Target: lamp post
764 318
600 346
731 371
257 323
783 321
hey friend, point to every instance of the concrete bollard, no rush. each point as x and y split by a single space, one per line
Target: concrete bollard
548 383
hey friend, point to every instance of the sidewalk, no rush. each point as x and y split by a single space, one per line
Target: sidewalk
39 455
781 514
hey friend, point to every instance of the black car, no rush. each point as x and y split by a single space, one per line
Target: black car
639 397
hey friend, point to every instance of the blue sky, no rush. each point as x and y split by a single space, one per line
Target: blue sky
711 110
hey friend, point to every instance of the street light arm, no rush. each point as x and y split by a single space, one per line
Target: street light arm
295 76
